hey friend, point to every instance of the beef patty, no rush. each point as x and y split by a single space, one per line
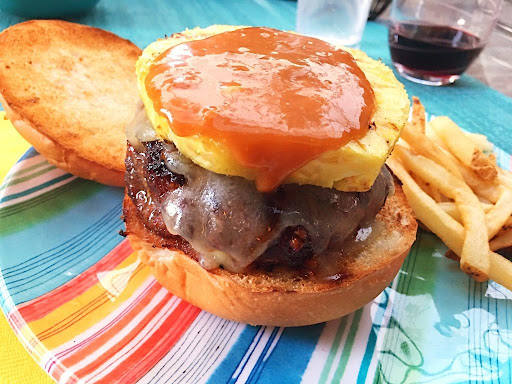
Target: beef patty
180 201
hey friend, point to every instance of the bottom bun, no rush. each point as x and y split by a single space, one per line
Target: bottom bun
280 297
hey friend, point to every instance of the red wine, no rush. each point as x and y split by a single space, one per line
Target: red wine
433 50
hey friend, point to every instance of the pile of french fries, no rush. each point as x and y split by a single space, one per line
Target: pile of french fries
458 192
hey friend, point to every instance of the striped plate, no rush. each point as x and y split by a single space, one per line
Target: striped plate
88 311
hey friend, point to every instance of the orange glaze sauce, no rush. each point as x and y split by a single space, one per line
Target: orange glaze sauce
277 100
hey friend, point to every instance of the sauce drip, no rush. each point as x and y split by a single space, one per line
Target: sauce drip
276 100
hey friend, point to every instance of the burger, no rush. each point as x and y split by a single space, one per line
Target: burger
255 180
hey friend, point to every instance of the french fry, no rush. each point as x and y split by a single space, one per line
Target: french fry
426 209
489 191
454 138
475 248
496 218
503 240
428 189
423 146
451 255
451 209
424 186
436 195
501 270
432 136
505 178
463 148
480 141
418 115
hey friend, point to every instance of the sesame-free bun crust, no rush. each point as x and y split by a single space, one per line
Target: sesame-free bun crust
280 298
69 90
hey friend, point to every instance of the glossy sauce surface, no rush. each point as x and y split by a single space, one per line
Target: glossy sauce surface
276 100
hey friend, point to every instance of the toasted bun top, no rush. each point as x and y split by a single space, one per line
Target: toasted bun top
74 84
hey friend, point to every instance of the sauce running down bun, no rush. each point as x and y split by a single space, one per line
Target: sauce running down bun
256 185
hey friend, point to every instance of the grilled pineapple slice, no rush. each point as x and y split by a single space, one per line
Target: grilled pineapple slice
353 167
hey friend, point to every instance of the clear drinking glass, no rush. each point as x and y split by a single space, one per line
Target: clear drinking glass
434 41
339 22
